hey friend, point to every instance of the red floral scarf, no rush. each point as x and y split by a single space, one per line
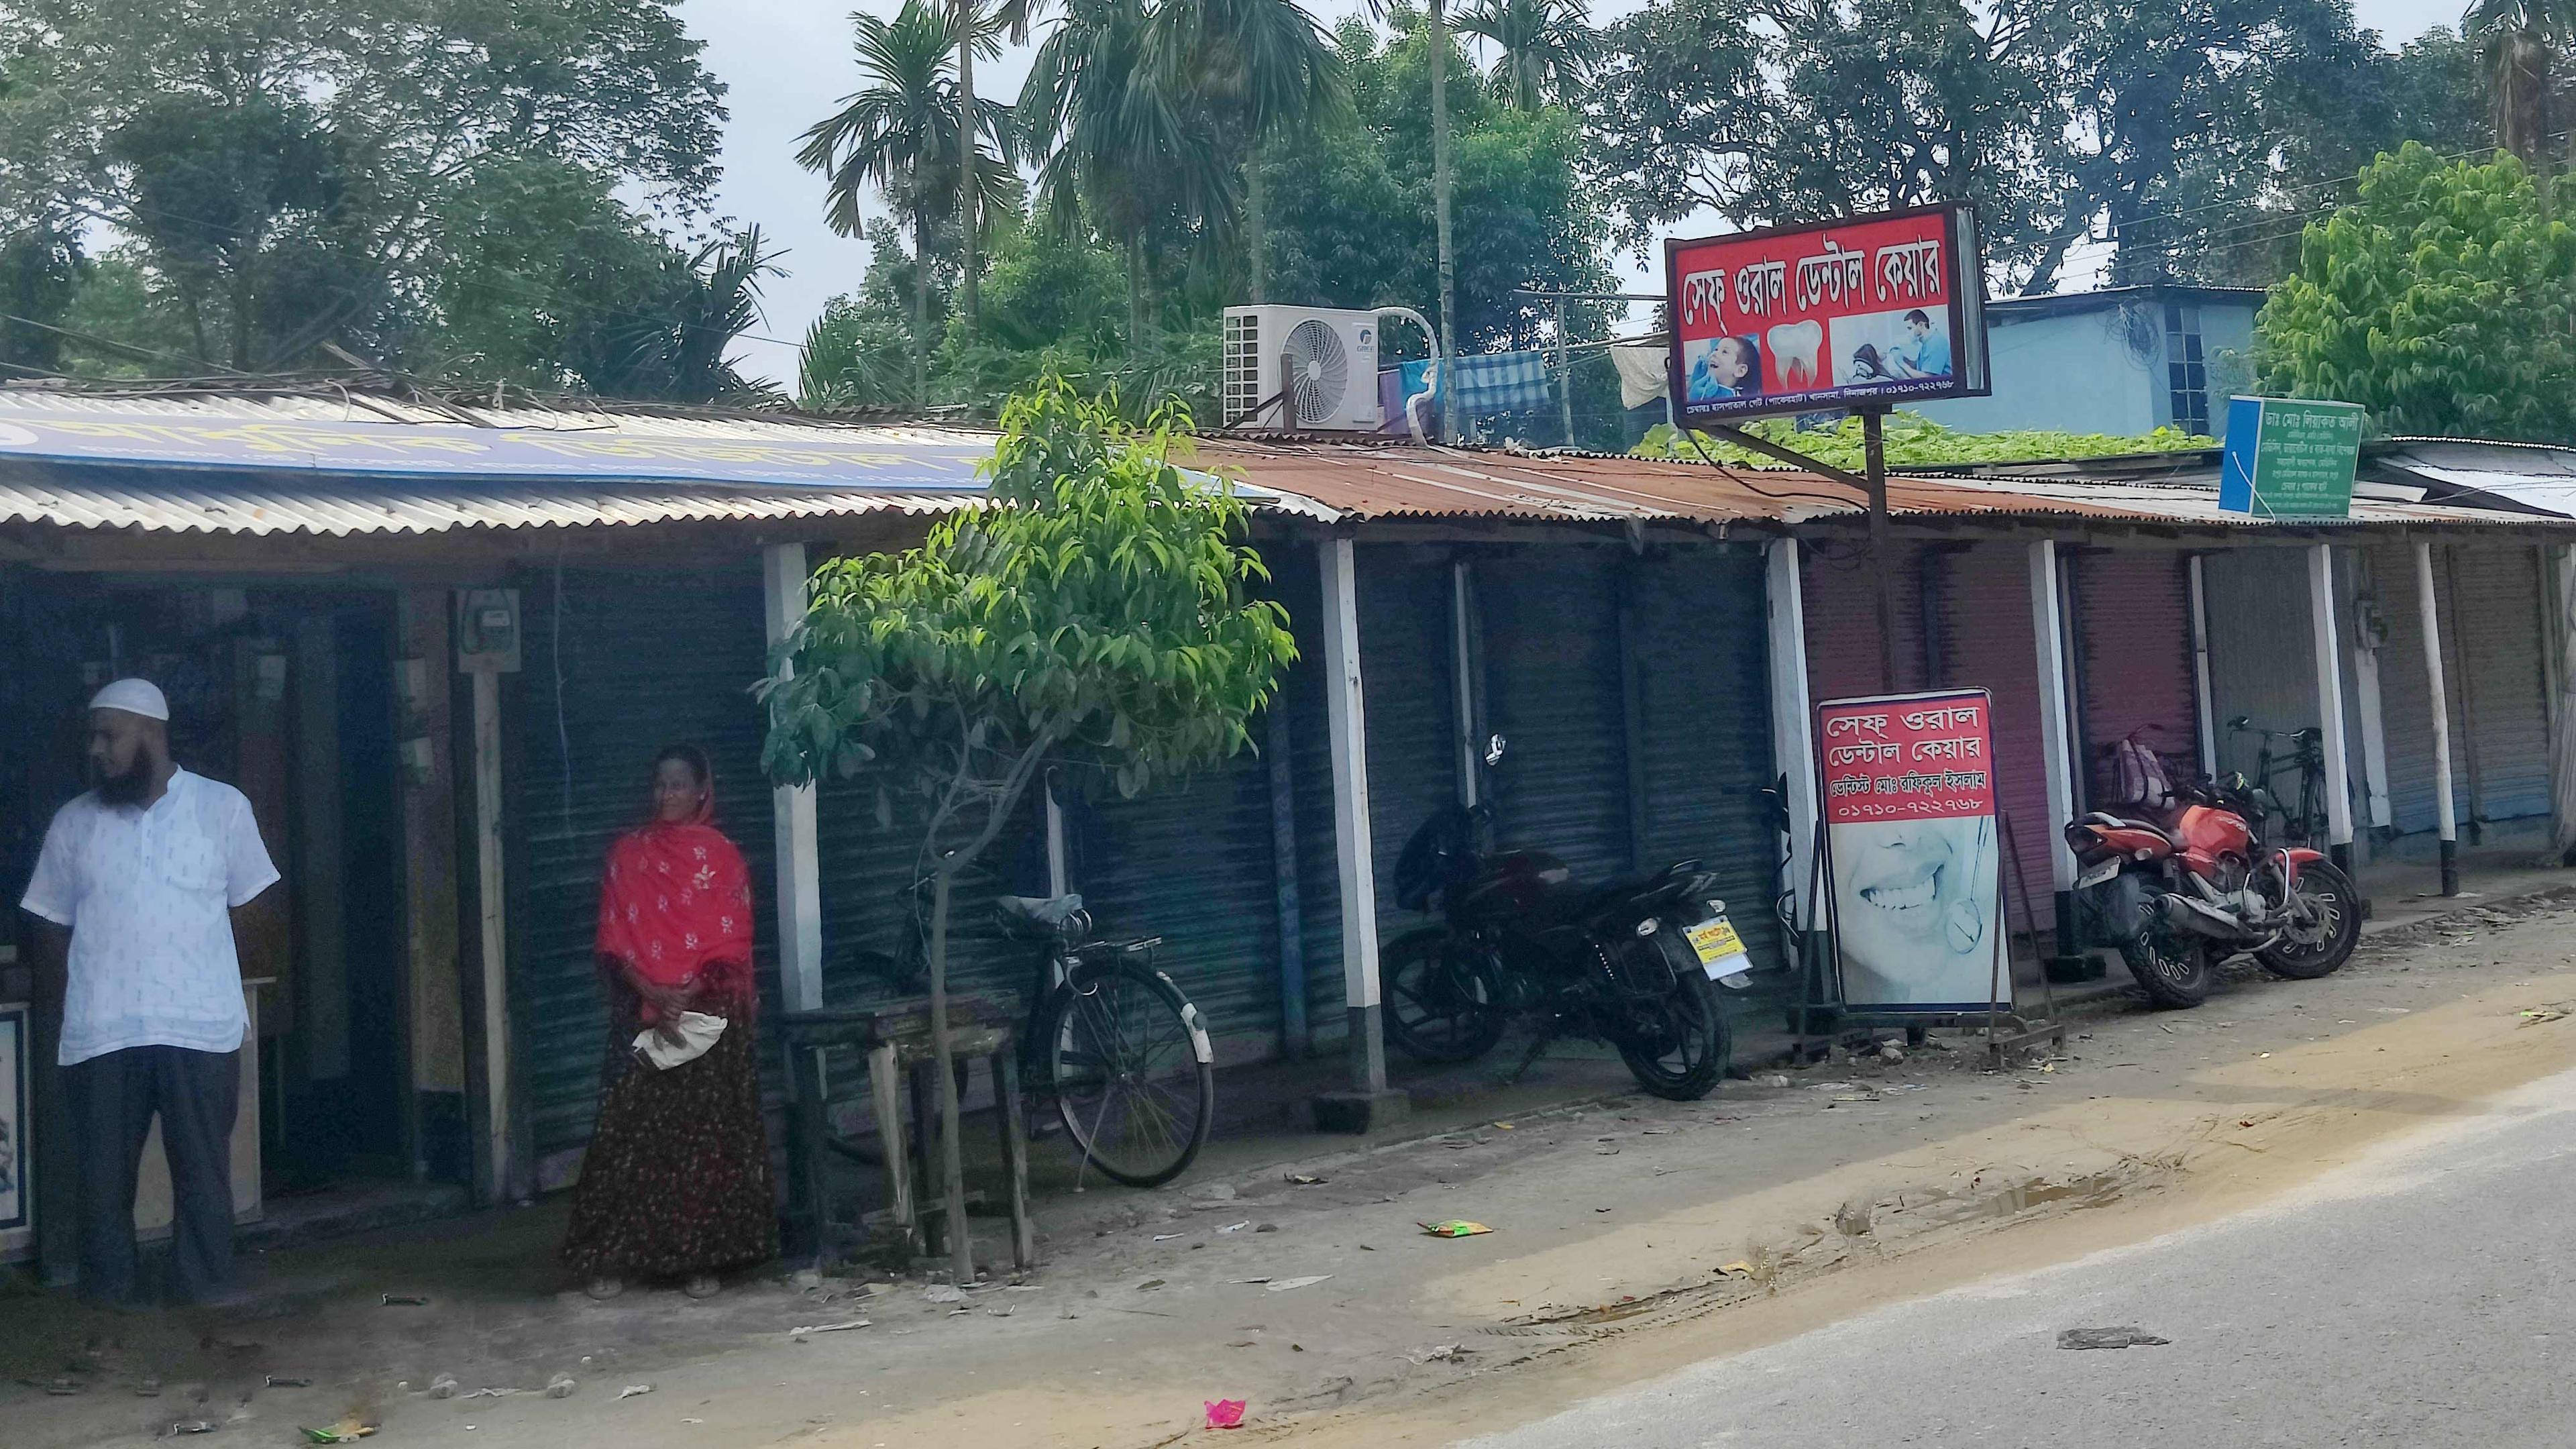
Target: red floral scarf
676 907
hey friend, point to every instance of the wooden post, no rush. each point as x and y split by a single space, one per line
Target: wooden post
499 1164
2445 814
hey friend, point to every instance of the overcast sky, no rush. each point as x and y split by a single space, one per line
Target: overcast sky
788 64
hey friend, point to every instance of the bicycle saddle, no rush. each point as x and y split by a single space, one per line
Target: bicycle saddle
1052 913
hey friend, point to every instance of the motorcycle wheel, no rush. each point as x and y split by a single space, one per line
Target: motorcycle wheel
2330 894
1445 1001
1681 1050
2176 973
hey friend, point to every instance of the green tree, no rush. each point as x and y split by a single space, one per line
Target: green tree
1097 612
1131 149
1261 72
2441 300
282 166
1355 227
1545 50
903 135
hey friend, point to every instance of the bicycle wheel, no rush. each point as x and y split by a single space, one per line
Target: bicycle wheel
1132 1074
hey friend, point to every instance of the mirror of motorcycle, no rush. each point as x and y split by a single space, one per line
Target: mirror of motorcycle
1494 750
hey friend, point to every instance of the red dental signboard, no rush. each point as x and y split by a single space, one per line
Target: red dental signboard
1873 310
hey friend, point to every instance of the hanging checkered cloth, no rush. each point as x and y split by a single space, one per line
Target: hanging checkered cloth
1502 382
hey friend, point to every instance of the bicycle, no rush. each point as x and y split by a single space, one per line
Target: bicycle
2306 755
1114 1045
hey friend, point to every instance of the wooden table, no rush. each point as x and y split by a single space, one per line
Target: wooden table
896 1042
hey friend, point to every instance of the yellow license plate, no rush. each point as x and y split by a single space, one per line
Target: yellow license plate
1715 940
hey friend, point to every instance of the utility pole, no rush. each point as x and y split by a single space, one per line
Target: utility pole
1564 376
1450 343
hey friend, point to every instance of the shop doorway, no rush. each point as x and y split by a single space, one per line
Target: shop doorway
287 693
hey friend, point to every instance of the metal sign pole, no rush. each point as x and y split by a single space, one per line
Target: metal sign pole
1882 553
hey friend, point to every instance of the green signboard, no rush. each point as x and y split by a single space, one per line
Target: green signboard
2288 458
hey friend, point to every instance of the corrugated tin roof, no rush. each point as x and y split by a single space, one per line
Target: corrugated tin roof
1376 481
173 500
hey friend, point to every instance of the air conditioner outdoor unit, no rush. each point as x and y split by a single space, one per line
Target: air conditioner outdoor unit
1301 369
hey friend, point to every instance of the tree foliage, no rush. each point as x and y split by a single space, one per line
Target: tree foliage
1913 440
2442 300
276 174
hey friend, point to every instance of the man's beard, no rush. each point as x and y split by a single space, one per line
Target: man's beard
128 787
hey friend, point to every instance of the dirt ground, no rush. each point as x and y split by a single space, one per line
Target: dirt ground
1629 1237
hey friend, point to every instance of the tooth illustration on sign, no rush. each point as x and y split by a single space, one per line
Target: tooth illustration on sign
1794 346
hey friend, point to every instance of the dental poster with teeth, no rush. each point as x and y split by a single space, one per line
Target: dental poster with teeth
1910 850
1876 309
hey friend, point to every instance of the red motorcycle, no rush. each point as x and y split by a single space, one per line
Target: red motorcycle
2181 893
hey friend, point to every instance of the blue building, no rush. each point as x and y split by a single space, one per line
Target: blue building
2123 360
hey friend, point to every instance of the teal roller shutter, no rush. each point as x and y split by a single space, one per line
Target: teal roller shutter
1551 655
616 665
1702 649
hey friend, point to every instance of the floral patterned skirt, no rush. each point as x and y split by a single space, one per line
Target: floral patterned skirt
676 1181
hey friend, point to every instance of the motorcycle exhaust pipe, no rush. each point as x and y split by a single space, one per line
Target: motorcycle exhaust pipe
2184 914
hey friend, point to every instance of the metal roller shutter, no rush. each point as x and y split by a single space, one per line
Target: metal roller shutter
661 658
1295 584
1404 669
1703 688
2405 696
2493 599
2262 649
2133 627
1191 862
1988 642
1841 602
1551 655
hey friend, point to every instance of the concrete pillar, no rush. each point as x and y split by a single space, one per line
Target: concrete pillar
2321 616
1793 739
1368 1103
2048 627
795 829
2200 692
2445 816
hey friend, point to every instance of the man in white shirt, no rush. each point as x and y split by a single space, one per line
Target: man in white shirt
137 893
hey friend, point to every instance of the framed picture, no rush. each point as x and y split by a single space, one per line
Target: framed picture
16 1199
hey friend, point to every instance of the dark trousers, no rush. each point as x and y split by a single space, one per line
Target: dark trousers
113 1099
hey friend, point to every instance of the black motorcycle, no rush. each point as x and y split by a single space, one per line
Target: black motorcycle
1635 963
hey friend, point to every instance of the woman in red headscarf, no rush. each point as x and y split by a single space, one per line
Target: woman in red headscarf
676 1183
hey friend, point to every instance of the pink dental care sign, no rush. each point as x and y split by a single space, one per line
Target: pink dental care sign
1914 868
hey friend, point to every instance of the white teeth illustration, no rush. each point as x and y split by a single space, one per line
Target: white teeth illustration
1794 346
1900 898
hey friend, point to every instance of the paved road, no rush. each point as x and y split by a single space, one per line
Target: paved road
2421 1298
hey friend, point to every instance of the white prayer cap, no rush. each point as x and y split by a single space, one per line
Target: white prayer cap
134 696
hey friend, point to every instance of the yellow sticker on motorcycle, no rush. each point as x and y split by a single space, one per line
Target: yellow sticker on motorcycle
1715 940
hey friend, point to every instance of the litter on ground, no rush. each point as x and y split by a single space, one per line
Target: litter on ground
1454 1228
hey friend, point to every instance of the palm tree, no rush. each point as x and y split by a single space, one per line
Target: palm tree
1127 144
1547 48
903 135
1263 70
2521 39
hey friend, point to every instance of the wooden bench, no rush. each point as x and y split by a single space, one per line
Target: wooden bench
895 1042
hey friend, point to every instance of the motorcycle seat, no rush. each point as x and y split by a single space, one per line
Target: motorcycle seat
2115 822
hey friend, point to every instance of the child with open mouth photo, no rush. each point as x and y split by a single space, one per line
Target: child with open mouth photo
1914 904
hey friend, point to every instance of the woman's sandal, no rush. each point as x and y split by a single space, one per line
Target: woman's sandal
604 1289
702 1286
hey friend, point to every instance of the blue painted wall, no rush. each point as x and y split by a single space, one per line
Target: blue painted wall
2098 370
